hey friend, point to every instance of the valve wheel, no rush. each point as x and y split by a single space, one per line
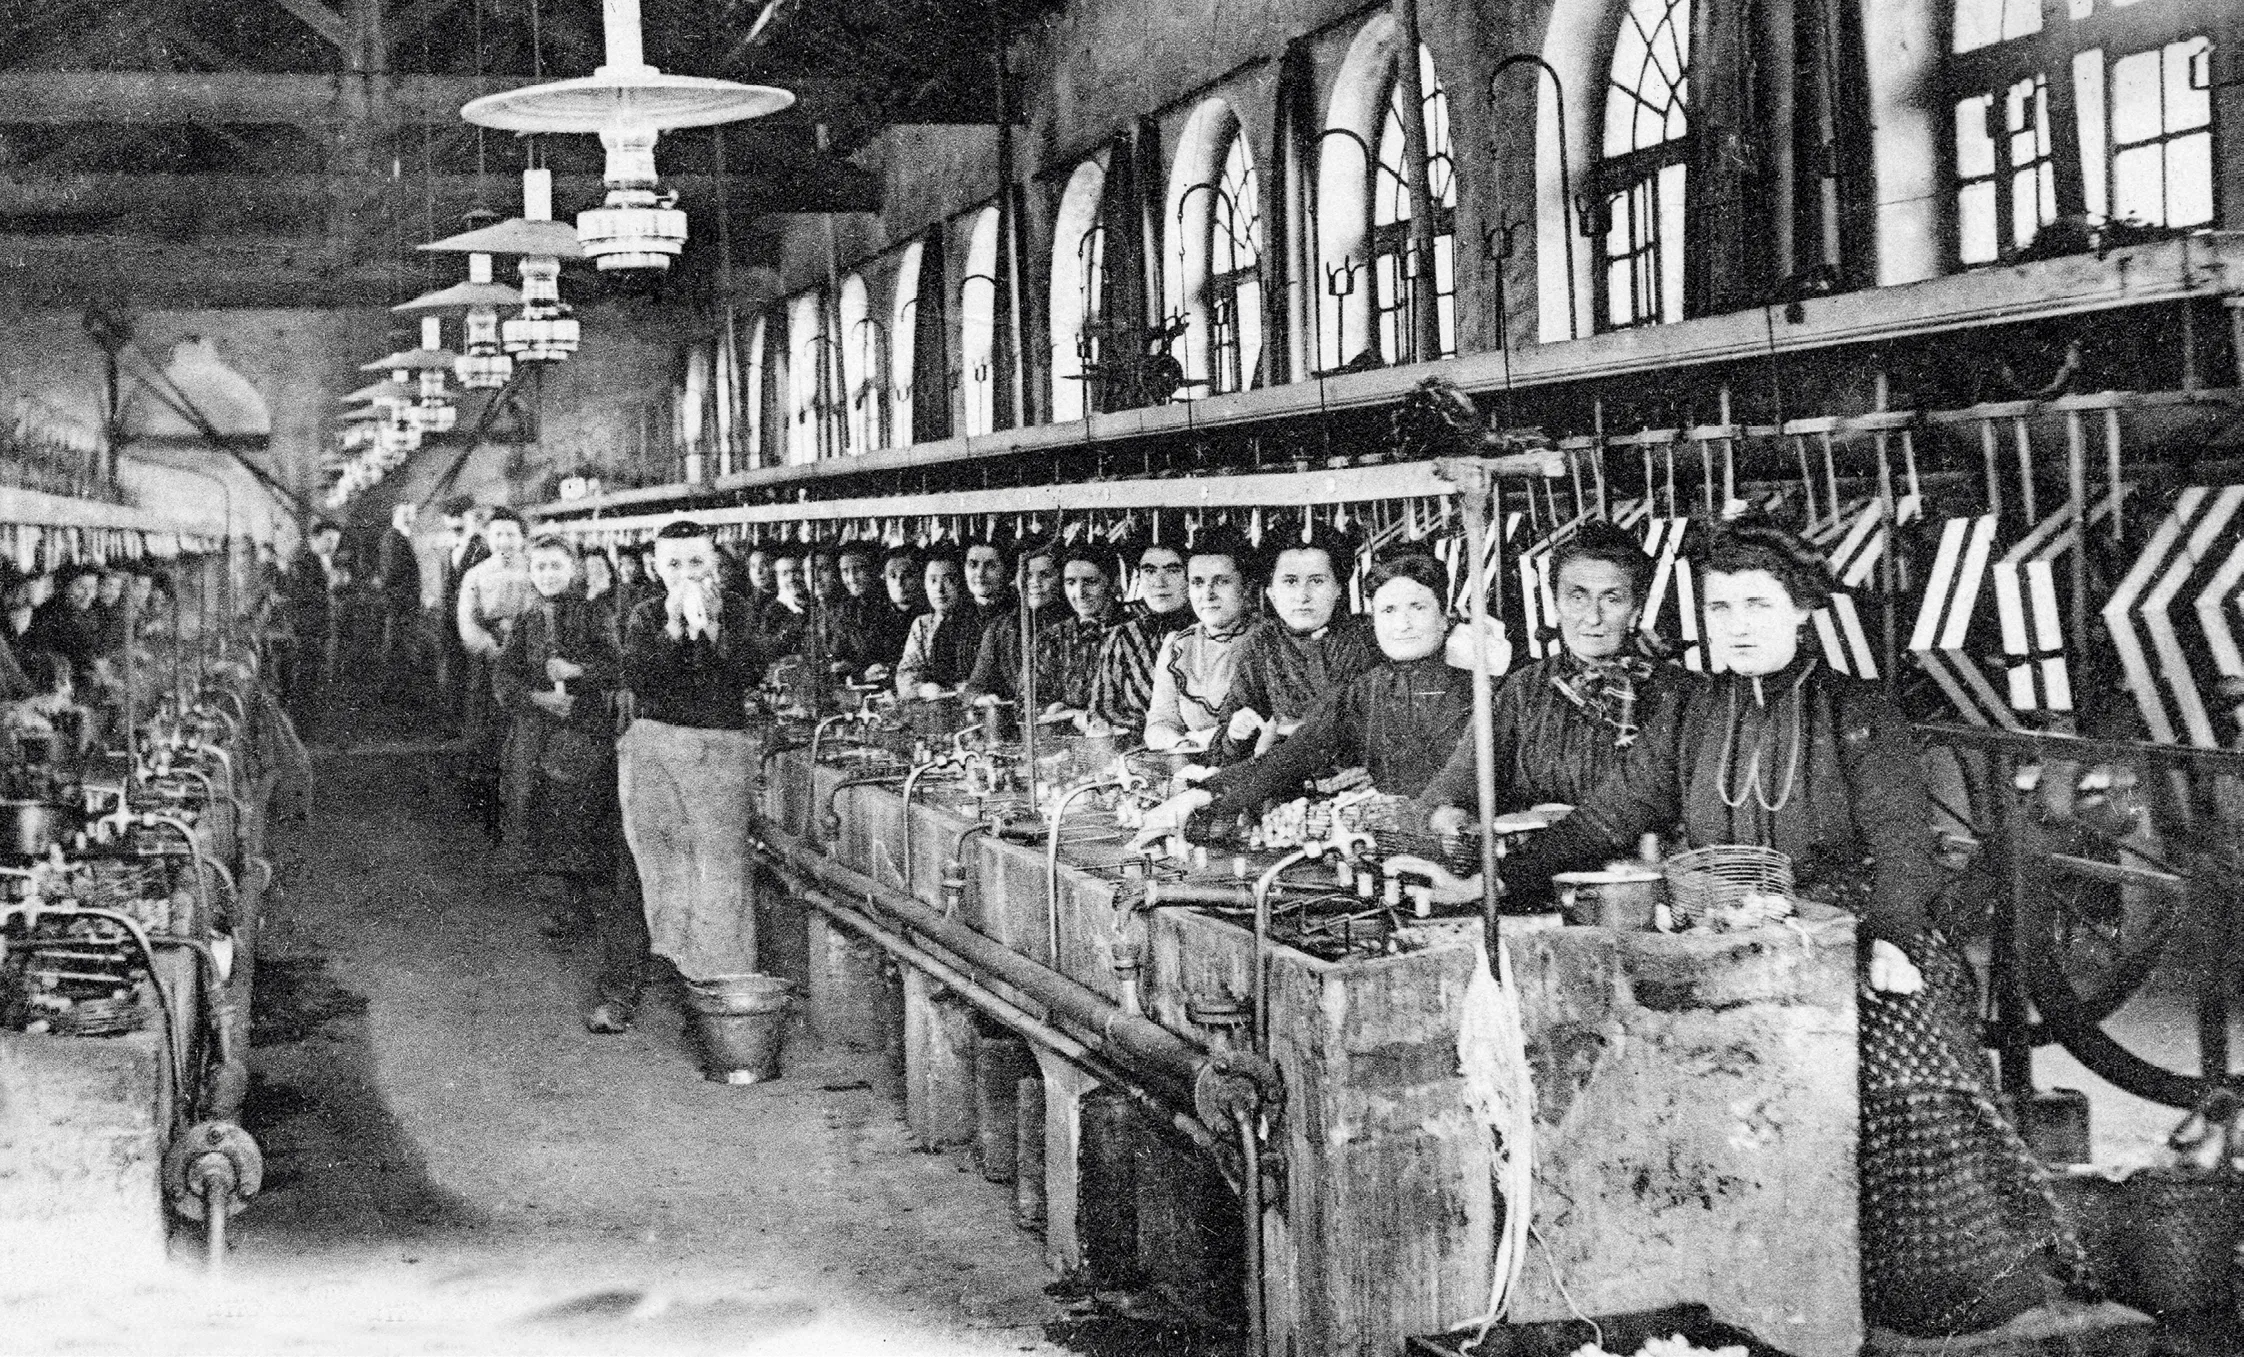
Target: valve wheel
186 1172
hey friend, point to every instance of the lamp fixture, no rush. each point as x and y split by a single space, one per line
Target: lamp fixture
422 371
629 104
483 365
546 330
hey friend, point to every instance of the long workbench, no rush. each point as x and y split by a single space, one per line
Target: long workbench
1695 1126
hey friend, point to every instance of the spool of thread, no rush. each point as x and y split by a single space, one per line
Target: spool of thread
1366 888
1240 867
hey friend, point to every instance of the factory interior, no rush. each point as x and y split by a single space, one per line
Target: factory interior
1144 678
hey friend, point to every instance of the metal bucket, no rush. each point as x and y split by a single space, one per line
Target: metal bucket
742 1020
1618 897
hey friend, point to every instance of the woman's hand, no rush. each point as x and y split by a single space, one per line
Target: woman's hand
928 692
1449 821
558 705
1169 817
1891 970
1447 887
1244 722
558 670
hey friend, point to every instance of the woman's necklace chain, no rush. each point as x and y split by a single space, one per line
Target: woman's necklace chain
1753 765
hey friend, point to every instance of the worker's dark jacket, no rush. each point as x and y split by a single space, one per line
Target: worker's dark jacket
1397 721
1561 726
698 681
560 774
1822 767
1283 675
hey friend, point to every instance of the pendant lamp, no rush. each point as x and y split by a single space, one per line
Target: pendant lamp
483 364
546 331
629 104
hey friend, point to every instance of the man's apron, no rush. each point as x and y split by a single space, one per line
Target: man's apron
685 814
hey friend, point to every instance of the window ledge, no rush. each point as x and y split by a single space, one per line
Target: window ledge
2210 264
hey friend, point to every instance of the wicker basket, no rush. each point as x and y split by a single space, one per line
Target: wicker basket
1705 879
2175 1242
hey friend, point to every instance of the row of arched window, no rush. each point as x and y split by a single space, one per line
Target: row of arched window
1730 157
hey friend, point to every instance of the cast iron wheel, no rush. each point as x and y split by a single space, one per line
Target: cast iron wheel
2083 956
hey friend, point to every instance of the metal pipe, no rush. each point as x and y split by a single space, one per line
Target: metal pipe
1424 291
1250 1204
1003 1010
1052 864
911 783
1140 1040
833 814
215 1194
1262 887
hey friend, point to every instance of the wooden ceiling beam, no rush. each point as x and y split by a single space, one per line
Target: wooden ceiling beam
319 99
828 186
332 28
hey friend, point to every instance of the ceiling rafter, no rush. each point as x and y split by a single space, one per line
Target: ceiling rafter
333 28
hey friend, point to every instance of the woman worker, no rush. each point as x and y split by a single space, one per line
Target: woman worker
1781 752
1397 720
555 675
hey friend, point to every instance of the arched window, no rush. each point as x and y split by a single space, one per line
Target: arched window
903 349
1078 304
2100 108
1365 205
1643 171
1394 260
977 329
1215 282
1234 292
860 366
806 368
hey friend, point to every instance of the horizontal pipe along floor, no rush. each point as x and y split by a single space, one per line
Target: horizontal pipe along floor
1683 1126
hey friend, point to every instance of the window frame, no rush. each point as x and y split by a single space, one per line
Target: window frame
2052 52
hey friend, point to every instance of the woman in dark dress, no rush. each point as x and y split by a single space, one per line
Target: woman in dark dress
1959 1231
554 680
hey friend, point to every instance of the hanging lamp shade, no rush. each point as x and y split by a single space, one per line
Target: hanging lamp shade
483 364
546 330
629 104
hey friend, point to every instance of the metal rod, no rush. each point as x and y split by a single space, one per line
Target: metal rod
1425 309
1139 1039
1473 486
1250 1203
1012 1015
1262 887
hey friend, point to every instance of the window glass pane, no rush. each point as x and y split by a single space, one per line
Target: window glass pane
1391 196
2136 115
2088 112
1976 222
1671 242
1620 296
2185 107
1975 150
2189 180
1249 321
1646 104
2138 187
1983 23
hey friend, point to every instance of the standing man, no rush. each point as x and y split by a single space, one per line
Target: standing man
493 593
463 550
682 775
315 580
397 579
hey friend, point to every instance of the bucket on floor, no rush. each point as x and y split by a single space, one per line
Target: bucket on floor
742 1019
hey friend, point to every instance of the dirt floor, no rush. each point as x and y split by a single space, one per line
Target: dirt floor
455 1166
